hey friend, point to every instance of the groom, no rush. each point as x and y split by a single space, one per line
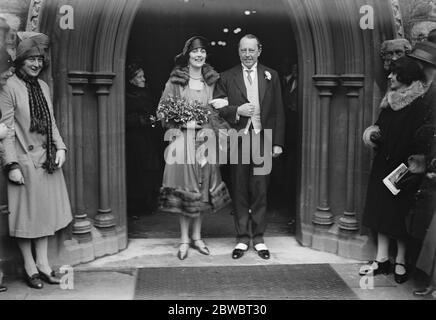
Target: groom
254 104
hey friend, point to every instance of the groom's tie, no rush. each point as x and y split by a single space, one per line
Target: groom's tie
250 80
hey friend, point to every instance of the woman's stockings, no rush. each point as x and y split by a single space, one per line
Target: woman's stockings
25 246
184 229
196 228
401 256
382 248
41 246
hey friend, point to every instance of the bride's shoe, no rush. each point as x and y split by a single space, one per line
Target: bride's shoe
183 251
200 246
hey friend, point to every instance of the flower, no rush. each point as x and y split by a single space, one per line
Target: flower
268 75
177 112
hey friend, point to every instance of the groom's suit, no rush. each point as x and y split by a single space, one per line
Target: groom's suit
250 191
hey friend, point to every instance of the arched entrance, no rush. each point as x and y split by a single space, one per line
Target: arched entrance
157 35
336 101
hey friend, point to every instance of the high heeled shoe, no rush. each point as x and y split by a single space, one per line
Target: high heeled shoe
200 246
401 278
382 268
51 278
33 281
183 251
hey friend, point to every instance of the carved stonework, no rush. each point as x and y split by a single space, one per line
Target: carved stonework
34 15
421 18
392 50
398 18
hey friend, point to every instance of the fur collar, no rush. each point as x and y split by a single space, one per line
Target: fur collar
180 75
399 99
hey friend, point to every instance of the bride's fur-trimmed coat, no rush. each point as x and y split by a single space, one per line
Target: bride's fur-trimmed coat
403 112
181 193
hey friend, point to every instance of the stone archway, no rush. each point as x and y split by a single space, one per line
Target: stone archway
88 87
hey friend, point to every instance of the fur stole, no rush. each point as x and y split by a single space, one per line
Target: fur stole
180 75
399 99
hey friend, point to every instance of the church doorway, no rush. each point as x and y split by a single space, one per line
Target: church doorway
157 35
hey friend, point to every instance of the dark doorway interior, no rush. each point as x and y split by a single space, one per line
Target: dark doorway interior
158 34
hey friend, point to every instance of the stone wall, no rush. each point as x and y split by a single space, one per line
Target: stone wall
419 17
15 13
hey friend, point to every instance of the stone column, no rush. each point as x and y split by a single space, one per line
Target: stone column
353 83
104 220
82 226
325 84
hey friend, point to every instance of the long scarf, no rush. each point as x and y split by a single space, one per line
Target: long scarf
40 118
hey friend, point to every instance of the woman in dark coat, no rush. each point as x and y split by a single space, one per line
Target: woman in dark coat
143 145
403 111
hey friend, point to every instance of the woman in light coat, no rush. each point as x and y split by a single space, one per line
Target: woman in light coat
191 190
34 154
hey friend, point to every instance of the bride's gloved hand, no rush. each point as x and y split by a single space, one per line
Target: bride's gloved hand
219 103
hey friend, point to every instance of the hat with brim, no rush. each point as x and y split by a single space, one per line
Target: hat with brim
424 51
35 45
191 44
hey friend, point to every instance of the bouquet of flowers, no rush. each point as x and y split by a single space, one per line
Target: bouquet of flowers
175 112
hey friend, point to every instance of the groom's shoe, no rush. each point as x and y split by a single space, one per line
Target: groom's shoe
239 250
262 251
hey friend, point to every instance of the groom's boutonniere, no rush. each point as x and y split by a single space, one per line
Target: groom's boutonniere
267 75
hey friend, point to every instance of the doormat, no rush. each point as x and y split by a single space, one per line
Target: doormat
268 282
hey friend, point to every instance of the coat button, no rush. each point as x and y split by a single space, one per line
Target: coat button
44 146
30 148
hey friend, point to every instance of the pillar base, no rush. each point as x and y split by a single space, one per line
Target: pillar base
323 217
107 231
359 247
83 237
82 228
104 219
348 222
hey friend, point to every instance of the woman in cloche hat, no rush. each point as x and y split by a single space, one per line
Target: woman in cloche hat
402 113
34 154
190 190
